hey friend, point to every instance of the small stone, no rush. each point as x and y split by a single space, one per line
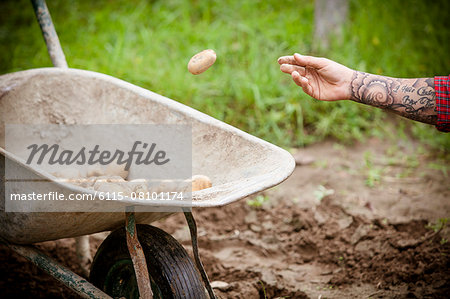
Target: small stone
320 218
359 233
221 285
251 217
267 225
338 270
302 159
269 278
255 228
182 234
345 222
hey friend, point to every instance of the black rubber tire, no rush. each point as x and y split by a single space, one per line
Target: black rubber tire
171 269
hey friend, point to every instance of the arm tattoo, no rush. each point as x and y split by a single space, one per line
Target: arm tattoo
411 98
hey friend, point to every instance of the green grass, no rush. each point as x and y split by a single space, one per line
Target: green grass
149 43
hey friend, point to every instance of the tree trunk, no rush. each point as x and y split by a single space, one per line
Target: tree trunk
329 17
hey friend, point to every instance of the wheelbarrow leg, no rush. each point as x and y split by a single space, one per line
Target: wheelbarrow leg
83 252
137 256
193 230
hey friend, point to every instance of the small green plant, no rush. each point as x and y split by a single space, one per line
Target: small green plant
258 201
321 192
373 174
412 161
321 163
404 173
373 177
263 288
443 241
392 151
338 147
439 225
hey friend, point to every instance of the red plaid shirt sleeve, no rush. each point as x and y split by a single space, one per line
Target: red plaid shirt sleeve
442 88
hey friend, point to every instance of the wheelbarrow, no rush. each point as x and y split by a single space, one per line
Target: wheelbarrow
135 260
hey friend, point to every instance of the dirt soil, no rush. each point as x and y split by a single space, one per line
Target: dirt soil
351 222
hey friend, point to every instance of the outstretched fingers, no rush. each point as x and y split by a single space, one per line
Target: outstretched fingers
289 68
302 82
287 60
310 61
304 61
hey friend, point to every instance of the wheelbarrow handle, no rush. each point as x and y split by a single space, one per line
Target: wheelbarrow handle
76 283
48 31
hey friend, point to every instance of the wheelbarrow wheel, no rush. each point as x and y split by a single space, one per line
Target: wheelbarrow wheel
171 270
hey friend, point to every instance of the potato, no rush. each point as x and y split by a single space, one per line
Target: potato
200 182
168 186
195 183
95 171
113 184
86 182
117 169
202 61
109 179
114 189
67 173
138 186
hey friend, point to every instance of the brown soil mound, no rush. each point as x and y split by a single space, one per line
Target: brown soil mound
356 242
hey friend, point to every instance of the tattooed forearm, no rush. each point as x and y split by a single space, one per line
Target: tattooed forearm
411 98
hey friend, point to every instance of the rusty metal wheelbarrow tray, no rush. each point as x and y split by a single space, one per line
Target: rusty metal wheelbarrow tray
238 163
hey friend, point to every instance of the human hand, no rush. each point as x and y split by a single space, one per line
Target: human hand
321 78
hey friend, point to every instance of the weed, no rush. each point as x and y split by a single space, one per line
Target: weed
438 225
258 201
412 161
339 147
404 173
373 177
321 192
373 174
263 288
392 151
321 163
